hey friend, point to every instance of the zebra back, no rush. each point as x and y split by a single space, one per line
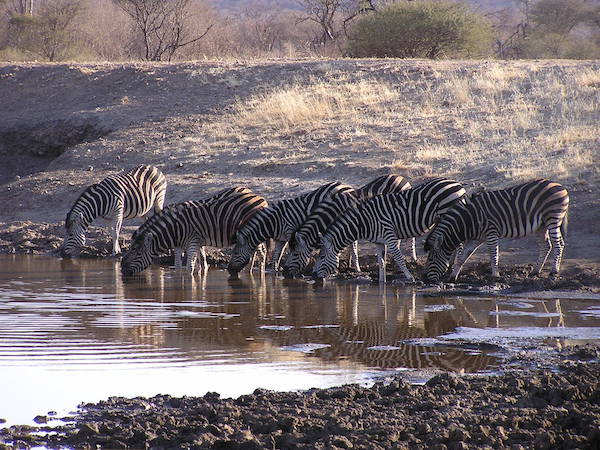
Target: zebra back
385 184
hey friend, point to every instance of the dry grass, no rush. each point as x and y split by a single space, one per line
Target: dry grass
489 121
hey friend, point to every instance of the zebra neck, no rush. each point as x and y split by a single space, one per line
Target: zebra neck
267 223
468 224
171 231
347 229
87 211
323 217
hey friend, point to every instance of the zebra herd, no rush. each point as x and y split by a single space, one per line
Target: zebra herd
326 220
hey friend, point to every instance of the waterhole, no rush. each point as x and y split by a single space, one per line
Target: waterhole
76 331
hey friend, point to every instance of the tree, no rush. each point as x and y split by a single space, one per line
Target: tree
427 29
323 13
162 25
559 16
552 30
48 33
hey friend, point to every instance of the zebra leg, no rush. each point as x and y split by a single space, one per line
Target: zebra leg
455 254
192 255
543 241
381 255
354 257
202 260
462 257
261 250
394 247
178 257
115 230
277 254
558 246
492 245
413 249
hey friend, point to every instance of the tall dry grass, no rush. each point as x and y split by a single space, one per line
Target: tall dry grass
490 121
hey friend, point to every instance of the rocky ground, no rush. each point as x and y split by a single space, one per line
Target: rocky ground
528 407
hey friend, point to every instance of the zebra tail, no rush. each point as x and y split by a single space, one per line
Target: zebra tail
564 225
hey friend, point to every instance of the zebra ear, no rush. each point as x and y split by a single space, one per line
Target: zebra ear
300 240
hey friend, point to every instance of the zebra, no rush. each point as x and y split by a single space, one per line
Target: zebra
178 252
123 196
306 239
278 222
385 219
190 226
539 206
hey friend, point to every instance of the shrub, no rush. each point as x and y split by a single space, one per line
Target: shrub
421 30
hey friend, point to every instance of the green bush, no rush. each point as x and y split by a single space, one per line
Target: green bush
421 30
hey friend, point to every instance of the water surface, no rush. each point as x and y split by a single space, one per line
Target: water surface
76 331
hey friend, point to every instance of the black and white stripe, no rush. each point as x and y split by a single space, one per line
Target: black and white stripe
279 222
306 239
178 252
540 207
386 219
190 226
118 197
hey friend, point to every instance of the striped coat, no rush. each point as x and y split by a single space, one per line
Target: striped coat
306 239
279 223
386 219
190 226
539 206
115 198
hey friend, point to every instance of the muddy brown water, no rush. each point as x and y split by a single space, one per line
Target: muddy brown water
76 331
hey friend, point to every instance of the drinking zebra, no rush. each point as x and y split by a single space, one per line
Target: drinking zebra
123 196
539 206
190 226
385 220
178 252
278 222
306 239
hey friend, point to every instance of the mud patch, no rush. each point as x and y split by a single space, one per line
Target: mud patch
519 409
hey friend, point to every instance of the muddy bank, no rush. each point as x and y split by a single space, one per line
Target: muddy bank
558 408
576 275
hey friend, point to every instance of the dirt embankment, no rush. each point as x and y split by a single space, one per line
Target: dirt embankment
557 409
212 125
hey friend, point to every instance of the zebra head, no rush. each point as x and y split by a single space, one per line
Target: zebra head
241 253
140 254
438 254
327 260
75 238
298 257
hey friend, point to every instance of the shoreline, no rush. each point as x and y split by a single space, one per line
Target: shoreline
542 402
